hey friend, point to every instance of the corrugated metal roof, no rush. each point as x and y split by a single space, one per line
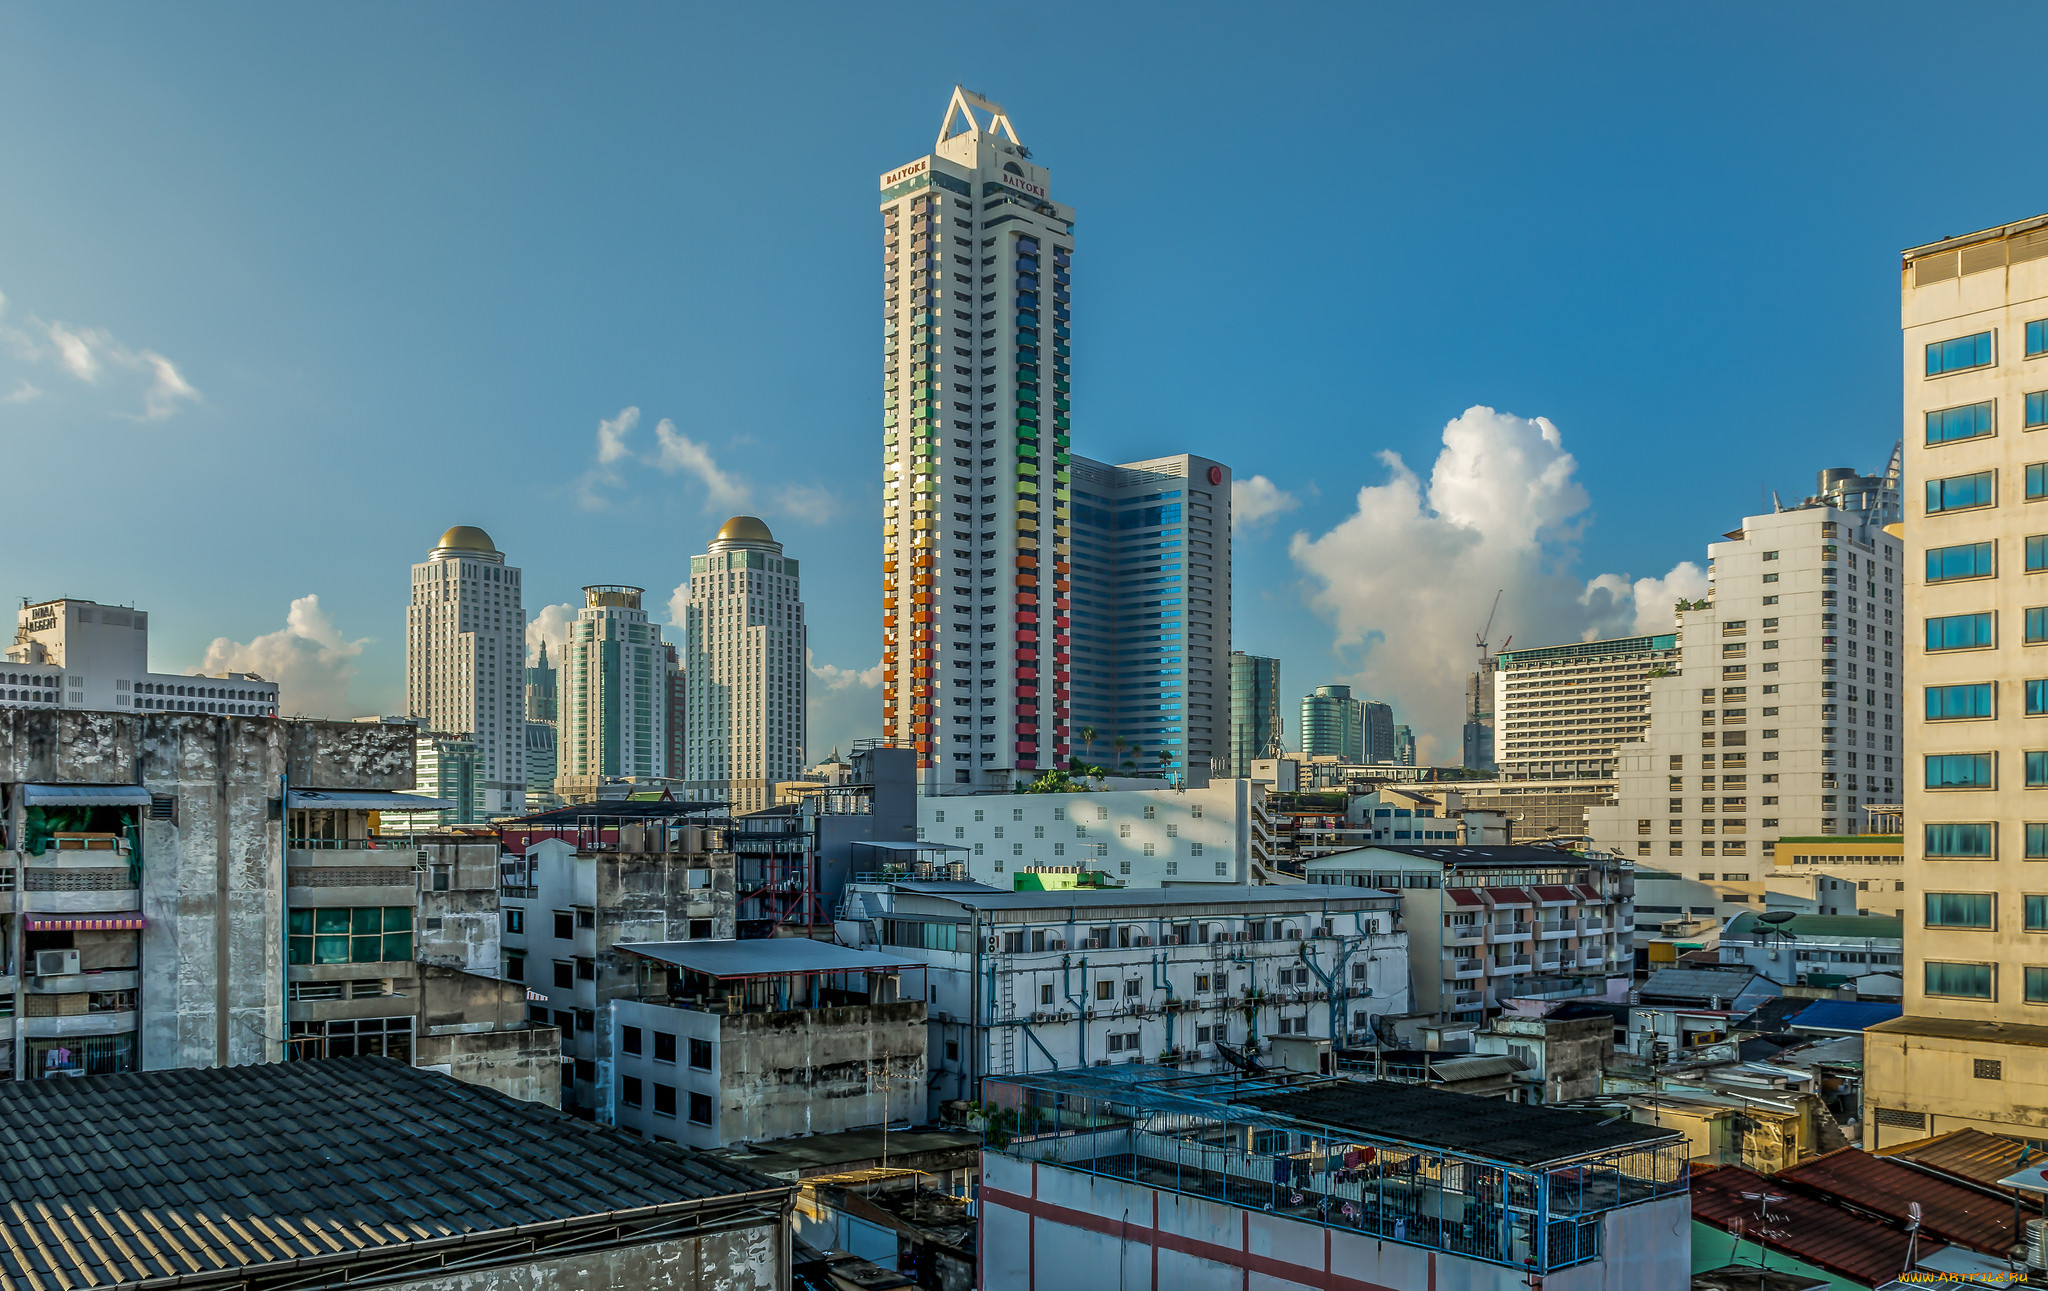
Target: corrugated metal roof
1478 1067
364 800
204 1175
85 795
1699 983
1964 1154
1826 1236
1488 1127
1849 927
1953 1212
768 957
1842 1015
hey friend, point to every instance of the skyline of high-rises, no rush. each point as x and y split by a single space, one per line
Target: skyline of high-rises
1332 724
466 658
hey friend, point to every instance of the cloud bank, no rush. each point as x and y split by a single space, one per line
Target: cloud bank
845 704
91 357
1256 500
308 658
1407 579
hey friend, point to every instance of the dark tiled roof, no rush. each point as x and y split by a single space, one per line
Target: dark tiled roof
1825 1236
1487 1127
1953 1212
209 1172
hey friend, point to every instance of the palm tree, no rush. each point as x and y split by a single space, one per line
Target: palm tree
1165 761
1088 741
1119 744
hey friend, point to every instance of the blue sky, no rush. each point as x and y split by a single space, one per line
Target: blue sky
289 290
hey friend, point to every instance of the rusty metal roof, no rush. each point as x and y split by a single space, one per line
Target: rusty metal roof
1954 1212
1970 1155
1824 1235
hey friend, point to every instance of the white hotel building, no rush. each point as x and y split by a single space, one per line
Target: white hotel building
70 653
465 666
613 691
975 396
746 675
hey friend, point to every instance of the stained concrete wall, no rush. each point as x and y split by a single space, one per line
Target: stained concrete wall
475 1029
460 927
213 879
747 1259
819 1071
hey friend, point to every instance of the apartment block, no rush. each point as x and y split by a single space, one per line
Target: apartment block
465 657
1970 1049
70 653
1144 837
747 678
976 398
1561 711
614 690
1780 715
1026 981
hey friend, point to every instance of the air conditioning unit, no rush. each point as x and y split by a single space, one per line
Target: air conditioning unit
1144 941
56 963
1055 943
1092 943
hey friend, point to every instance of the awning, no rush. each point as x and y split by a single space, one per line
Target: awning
1464 896
85 923
85 795
535 997
1507 896
364 800
1548 893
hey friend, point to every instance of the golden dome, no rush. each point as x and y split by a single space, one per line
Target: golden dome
745 529
465 537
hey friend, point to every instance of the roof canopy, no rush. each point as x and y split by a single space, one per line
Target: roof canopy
365 800
85 795
768 957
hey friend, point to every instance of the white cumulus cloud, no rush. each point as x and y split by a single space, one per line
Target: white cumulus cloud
550 624
678 452
845 704
88 354
1407 579
1256 500
309 659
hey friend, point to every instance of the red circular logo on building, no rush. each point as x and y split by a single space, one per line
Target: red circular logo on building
1215 475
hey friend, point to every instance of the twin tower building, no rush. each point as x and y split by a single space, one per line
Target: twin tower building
724 717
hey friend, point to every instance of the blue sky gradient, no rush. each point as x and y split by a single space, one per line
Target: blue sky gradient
407 259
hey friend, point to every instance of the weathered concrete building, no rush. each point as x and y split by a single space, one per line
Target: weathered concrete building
752 1041
796 858
1041 980
195 890
585 879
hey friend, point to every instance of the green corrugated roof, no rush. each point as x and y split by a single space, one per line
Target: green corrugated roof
1856 927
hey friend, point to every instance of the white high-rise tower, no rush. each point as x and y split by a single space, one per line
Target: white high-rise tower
976 353
614 690
466 657
746 672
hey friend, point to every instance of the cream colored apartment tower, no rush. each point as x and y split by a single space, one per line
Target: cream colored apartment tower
1781 715
465 657
747 671
975 466
1972 1048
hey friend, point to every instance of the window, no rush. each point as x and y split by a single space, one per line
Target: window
664 1100
1965 560
700 1054
515 919
629 1039
1045 994
1959 910
565 925
565 974
1960 492
1959 632
1971 421
664 1047
629 1090
1987 1068
2037 841
2037 337
1959 841
1105 990
515 966
2037 698
2037 985
700 1109
1962 981
2037 770
2036 913
2036 625
345 935
1770 555
1959 355
1954 703
2037 409
1959 770
2037 481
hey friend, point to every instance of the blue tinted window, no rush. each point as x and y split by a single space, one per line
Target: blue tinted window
2037 914
2037 982
2037 770
2037 481
1948 703
2037 552
1965 841
2037 698
1959 909
2037 409
1959 771
2037 625
1971 421
1959 632
1958 492
2037 336
1966 560
1970 981
1963 352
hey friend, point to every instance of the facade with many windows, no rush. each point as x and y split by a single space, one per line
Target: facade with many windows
1143 837
1972 1048
465 658
747 676
1255 729
1561 711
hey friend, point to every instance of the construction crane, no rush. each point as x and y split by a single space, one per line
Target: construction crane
1488 629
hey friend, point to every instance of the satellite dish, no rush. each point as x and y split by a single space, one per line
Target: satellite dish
1776 917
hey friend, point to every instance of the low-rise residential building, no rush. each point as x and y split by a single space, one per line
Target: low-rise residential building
794 859
578 881
726 1042
1091 1178
368 1174
1488 925
1197 977
1865 952
1563 1051
70 653
1854 874
1168 836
